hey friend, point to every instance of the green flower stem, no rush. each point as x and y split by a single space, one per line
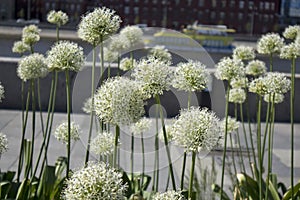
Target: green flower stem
271 62
116 145
92 112
166 142
190 194
292 110
57 33
132 157
232 154
69 121
266 129
239 141
189 99
225 142
183 170
40 106
156 158
143 162
102 59
108 71
259 146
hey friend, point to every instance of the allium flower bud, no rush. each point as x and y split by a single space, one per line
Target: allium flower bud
270 43
61 132
57 17
243 53
256 68
30 35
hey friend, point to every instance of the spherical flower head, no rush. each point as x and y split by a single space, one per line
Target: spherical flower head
127 64
119 43
1 92
32 66
133 34
20 47
258 86
196 130
276 98
3 143
232 124
291 32
141 126
96 26
228 69
154 75
109 55
169 134
277 83
240 82
61 132
65 55
87 106
191 76
169 195
95 181
120 101
31 29
161 53
57 17
290 51
243 53
237 95
30 38
103 144
256 68
270 43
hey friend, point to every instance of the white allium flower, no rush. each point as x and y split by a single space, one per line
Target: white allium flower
161 53
119 43
32 66
240 82
154 75
3 143
277 83
133 34
290 51
256 68
61 132
31 29
169 195
291 32
278 98
127 64
237 95
65 55
243 53
20 47
232 124
270 43
96 26
87 105
103 144
141 126
57 17
258 86
30 38
228 69
191 76
169 134
196 129
1 92
119 101
97 181
109 55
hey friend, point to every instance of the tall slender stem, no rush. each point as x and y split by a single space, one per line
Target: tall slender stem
156 158
239 141
143 162
292 110
183 170
132 157
259 146
190 194
116 145
102 59
69 120
40 106
266 129
232 154
271 62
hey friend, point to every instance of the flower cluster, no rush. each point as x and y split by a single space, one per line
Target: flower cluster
30 34
109 55
161 53
237 95
103 144
275 98
1 92
98 25
87 106
20 47
57 17
256 68
3 143
191 76
169 195
96 181
32 66
258 86
169 134
232 124
61 132
244 53
65 55
291 32
196 129
127 64
119 43
290 51
228 69
119 101
240 82
270 43
133 34
141 126
154 75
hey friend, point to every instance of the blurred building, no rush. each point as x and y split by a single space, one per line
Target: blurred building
246 16
289 12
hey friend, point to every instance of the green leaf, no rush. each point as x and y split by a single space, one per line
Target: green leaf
288 194
24 190
273 191
217 189
46 183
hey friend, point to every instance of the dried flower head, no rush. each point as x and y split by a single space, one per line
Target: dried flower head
57 17
290 51
256 68
127 64
232 124
109 55
96 181
243 53
161 53
20 47
120 101
169 195
61 132
240 82
32 66
133 34
1 92
119 43
276 98
103 144
3 143
96 26
291 32
237 95
191 76
270 43
196 129
65 55
154 75
228 69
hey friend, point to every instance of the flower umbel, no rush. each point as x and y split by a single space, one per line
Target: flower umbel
244 53
127 64
240 82
291 32
256 68
3 143
276 98
270 43
161 53
133 34
1 92
61 132
20 47
103 144
169 195
290 51
141 126
228 69
57 17
237 95
232 124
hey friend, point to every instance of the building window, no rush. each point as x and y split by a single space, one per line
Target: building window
267 5
242 4
201 3
153 23
136 10
213 15
177 2
145 10
232 15
126 10
200 14
154 1
232 4
189 2
250 5
222 15
240 16
266 18
214 3
223 3
261 5
272 6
